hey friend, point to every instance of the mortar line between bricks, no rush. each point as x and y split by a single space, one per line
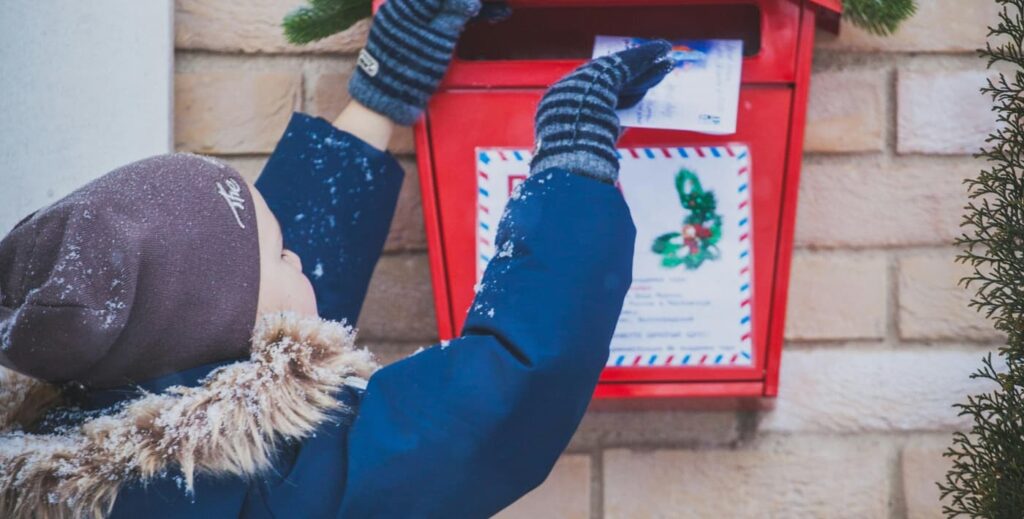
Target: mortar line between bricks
657 444
897 493
899 250
981 347
878 248
868 154
193 63
862 154
243 155
597 483
227 154
902 345
303 81
261 54
892 313
829 59
892 110
903 435
746 427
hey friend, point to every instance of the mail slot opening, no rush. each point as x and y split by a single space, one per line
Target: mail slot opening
568 32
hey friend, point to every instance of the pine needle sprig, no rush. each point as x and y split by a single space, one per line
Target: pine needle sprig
881 17
323 18
987 475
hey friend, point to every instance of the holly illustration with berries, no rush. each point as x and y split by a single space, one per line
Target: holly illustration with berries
702 227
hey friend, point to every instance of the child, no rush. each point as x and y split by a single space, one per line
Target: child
167 359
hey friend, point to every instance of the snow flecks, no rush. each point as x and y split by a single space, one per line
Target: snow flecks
445 344
519 193
330 141
299 217
65 287
362 163
506 250
318 270
70 271
419 350
490 313
112 311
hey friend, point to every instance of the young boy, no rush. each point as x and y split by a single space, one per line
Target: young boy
166 354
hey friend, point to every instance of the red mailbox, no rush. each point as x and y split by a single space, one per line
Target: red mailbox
488 99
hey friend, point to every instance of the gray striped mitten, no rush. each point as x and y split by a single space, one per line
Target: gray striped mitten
576 126
407 53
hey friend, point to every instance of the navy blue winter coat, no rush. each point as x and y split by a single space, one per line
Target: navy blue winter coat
460 430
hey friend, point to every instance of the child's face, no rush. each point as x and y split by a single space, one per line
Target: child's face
283 287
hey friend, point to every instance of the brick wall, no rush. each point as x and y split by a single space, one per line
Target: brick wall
879 340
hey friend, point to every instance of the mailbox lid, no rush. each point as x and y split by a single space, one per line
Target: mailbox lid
544 40
459 122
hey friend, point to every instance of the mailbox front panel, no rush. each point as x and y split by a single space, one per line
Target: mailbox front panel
461 121
488 99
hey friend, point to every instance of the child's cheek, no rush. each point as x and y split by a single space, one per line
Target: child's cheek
306 304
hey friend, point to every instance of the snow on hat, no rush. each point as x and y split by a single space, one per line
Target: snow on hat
147 270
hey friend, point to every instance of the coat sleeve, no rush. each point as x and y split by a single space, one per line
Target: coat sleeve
465 428
334 196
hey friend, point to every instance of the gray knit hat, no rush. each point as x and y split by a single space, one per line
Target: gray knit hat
147 270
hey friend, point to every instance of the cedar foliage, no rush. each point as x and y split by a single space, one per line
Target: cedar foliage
881 17
987 476
322 18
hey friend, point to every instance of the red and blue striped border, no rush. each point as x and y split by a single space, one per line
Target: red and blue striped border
488 207
736 152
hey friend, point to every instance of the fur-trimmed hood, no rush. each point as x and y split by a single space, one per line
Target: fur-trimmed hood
230 423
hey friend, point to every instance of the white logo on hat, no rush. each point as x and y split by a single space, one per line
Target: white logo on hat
233 196
368 63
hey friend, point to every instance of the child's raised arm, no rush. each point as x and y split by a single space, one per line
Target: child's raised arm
465 428
332 187
373 128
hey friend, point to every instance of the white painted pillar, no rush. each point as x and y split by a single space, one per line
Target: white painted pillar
84 87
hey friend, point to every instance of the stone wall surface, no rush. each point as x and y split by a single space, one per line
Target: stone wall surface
880 341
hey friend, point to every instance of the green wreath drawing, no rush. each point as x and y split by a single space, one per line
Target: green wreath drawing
702 227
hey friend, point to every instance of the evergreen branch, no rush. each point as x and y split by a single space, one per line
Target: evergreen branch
987 475
323 18
881 17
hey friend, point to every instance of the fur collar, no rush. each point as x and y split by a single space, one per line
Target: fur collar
229 424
